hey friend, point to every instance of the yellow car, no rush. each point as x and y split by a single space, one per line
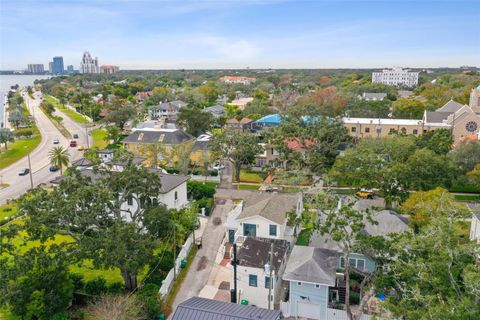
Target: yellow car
365 194
81 148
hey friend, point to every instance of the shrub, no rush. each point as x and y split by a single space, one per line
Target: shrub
78 283
172 170
213 173
198 190
148 294
96 286
116 287
206 203
354 297
164 260
23 132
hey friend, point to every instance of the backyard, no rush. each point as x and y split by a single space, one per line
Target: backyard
98 137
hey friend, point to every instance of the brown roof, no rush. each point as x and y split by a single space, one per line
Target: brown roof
246 121
232 121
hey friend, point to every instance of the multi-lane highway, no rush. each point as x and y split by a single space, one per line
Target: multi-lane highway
39 160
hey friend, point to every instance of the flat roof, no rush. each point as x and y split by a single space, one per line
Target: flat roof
384 121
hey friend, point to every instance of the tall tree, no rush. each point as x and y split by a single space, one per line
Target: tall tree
194 120
59 157
6 136
119 111
439 141
467 155
16 118
239 148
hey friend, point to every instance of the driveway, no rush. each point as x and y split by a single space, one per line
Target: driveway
204 261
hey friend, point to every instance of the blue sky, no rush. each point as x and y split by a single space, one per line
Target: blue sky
140 34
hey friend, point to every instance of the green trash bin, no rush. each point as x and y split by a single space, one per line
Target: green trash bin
244 302
161 316
183 263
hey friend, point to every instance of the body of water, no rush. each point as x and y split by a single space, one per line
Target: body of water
8 80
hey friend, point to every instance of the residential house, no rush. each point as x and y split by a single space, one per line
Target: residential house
156 124
168 110
216 111
241 103
142 96
207 309
264 215
171 141
475 225
201 150
243 125
253 271
237 80
373 96
272 120
310 273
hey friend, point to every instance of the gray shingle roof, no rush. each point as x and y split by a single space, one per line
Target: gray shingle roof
173 137
388 222
314 265
82 162
215 110
255 252
273 207
436 116
374 96
451 106
206 309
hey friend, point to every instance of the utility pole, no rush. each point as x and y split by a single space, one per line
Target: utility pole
86 136
30 168
233 297
270 282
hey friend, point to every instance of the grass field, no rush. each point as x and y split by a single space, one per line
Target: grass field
247 187
98 136
8 210
75 116
248 176
18 150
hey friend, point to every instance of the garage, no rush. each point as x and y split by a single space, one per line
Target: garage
308 310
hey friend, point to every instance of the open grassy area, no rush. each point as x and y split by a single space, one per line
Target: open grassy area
98 136
247 187
249 176
75 116
467 197
8 210
18 150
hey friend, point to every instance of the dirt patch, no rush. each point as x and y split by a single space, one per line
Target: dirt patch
217 221
224 285
202 263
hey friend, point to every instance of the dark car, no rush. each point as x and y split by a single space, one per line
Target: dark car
73 143
24 172
53 168
75 136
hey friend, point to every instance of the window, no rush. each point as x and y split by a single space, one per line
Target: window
357 263
176 195
252 280
415 131
317 286
342 262
299 284
354 129
273 230
130 201
267 282
367 130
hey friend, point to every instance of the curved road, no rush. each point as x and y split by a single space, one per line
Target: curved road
39 157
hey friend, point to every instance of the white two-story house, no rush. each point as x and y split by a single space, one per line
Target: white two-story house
253 271
263 215
475 225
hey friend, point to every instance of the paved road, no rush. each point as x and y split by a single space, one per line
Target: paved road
38 157
198 274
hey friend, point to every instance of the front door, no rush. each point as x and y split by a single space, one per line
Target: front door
249 230
231 236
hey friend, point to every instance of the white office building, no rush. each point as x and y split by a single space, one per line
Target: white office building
396 77
88 64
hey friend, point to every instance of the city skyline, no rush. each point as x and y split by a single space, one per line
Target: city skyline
230 34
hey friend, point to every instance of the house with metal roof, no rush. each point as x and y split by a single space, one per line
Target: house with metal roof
216 111
207 309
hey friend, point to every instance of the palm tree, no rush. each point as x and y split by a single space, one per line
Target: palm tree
59 157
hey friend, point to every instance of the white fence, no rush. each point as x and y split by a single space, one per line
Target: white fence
168 282
334 314
285 308
202 178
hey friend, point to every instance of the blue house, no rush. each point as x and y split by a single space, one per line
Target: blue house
310 272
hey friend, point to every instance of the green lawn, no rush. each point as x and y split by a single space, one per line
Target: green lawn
8 210
75 116
247 187
467 197
18 150
249 176
98 136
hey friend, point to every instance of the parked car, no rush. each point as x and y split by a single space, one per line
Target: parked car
24 172
365 194
73 143
53 168
218 166
272 189
75 136
56 141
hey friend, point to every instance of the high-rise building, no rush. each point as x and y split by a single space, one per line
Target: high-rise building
396 77
57 67
108 68
35 68
70 69
88 64
50 67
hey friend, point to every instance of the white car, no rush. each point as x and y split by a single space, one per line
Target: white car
56 141
218 166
